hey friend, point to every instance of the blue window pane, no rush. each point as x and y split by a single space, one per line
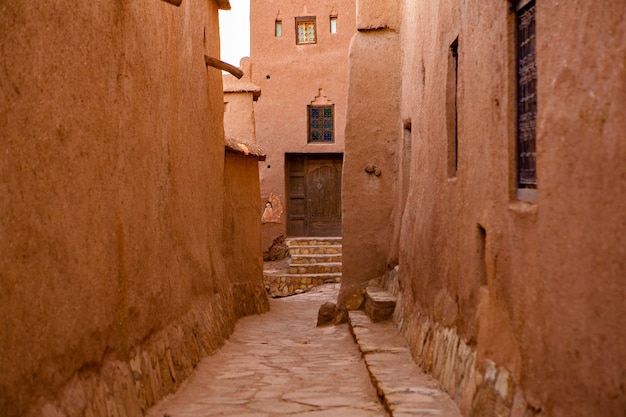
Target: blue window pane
321 124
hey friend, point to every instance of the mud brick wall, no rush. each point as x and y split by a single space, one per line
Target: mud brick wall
113 282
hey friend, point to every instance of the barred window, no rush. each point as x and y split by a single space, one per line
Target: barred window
321 124
305 30
526 95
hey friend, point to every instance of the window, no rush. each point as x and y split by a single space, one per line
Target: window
333 24
278 28
452 109
526 69
305 30
321 124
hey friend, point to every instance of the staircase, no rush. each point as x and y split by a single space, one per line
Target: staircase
314 261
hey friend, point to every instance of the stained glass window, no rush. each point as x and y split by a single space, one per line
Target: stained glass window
321 124
305 30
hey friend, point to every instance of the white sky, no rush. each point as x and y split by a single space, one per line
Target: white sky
235 32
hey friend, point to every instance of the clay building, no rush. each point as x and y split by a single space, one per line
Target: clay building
501 200
299 53
241 241
240 94
116 275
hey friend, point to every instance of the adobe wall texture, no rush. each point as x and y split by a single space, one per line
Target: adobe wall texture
290 77
239 98
111 199
239 116
370 172
241 242
515 307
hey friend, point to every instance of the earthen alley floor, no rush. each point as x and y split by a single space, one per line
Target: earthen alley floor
280 364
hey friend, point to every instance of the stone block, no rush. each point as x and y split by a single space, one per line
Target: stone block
504 386
379 305
330 314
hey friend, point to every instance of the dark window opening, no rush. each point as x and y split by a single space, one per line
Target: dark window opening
452 109
526 96
482 255
321 124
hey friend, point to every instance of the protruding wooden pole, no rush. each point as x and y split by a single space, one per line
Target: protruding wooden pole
216 63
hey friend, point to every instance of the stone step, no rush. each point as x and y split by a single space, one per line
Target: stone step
313 261
319 268
401 385
312 241
299 259
379 304
287 276
283 285
315 250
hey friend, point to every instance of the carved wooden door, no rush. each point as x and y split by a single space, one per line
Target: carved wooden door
314 188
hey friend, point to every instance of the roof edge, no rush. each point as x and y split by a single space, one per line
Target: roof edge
248 149
223 4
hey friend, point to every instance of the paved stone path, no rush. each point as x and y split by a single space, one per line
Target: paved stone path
403 387
281 364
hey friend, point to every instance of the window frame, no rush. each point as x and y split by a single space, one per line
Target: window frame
322 129
304 20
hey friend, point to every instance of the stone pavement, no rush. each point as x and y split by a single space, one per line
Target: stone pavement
281 364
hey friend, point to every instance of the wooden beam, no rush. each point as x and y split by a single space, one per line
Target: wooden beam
221 65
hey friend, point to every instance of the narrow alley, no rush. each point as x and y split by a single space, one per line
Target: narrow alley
443 181
280 364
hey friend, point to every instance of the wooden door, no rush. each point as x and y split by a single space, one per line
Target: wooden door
314 190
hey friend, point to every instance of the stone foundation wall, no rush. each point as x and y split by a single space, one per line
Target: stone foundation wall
478 385
128 388
281 286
